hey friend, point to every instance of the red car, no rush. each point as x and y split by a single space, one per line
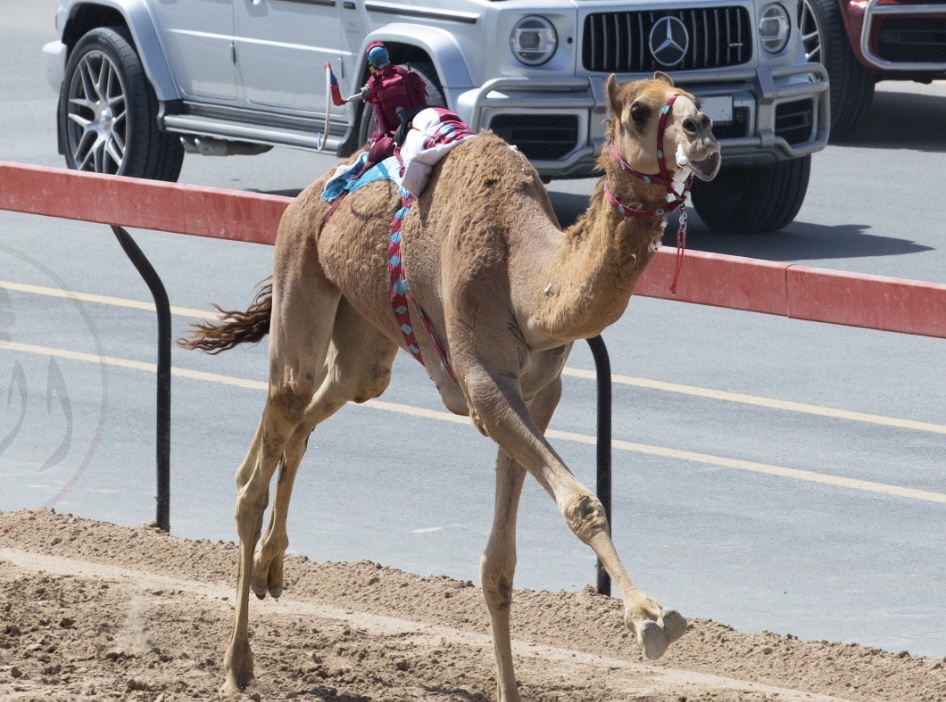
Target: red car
863 41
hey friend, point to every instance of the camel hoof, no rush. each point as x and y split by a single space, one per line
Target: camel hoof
259 586
267 576
674 625
235 685
229 690
273 591
652 639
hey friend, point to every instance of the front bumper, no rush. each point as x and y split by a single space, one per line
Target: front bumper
777 114
54 55
904 38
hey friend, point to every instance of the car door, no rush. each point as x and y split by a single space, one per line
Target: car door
198 36
281 47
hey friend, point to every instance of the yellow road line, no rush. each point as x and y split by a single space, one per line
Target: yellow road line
690 390
440 415
762 468
102 299
784 405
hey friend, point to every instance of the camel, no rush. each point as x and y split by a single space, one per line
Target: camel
501 291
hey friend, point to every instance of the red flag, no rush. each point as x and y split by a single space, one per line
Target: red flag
337 98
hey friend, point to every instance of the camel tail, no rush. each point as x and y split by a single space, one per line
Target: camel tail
234 328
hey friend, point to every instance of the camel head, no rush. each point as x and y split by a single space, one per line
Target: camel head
688 141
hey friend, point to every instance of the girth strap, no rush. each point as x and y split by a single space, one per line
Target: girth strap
400 290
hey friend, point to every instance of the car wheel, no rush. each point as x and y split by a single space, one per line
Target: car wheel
825 40
753 200
108 112
435 98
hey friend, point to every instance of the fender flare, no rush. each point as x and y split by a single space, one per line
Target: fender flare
141 24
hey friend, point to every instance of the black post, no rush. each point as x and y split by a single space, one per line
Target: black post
603 370
163 308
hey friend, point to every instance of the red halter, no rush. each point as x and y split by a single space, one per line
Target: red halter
663 179
676 200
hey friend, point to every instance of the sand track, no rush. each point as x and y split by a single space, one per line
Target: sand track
94 611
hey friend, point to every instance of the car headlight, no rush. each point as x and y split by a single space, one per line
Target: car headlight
774 28
533 40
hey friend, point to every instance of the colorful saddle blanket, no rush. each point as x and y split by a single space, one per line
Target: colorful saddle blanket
345 179
433 134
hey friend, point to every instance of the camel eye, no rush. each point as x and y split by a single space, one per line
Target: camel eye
639 114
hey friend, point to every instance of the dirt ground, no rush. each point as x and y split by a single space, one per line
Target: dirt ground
93 611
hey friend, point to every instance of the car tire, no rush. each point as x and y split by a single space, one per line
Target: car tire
108 111
753 200
852 86
435 98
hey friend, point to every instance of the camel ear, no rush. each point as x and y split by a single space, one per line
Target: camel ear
612 88
660 75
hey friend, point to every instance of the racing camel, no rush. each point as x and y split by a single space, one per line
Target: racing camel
497 293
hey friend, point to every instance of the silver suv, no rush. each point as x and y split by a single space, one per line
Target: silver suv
141 82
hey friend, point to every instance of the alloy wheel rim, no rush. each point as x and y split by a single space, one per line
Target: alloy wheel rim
96 118
810 32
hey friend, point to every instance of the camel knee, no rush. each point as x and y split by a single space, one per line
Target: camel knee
498 594
249 519
359 375
373 385
586 517
290 400
496 584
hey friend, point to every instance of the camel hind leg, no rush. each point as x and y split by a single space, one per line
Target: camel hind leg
355 366
303 308
358 365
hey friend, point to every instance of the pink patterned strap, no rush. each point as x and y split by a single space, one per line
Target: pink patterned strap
400 290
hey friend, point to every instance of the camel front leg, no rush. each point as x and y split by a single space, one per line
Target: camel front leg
498 564
497 402
655 627
497 569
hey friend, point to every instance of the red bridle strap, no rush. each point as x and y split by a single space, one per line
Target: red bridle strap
676 200
663 179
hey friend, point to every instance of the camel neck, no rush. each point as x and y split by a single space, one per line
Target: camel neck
588 283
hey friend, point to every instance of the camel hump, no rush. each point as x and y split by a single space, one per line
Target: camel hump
493 158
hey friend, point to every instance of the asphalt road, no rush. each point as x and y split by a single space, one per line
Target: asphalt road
769 473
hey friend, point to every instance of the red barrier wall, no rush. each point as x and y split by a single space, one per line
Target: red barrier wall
145 204
800 292
785 289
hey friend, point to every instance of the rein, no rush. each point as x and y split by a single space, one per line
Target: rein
675 200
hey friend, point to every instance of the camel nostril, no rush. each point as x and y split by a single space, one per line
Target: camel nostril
690 125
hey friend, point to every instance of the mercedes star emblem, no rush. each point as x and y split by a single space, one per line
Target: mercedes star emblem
669 41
